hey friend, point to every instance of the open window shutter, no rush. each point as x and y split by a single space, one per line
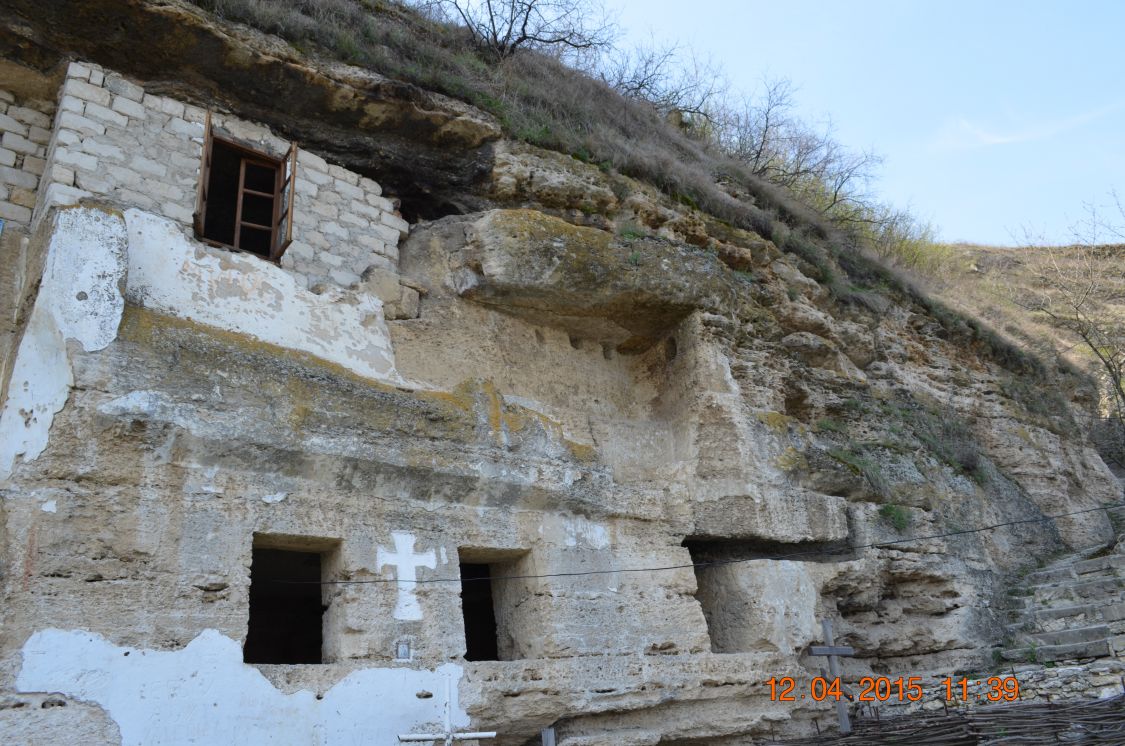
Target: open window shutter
199 219
283 226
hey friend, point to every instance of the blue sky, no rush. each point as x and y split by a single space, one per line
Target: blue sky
996 119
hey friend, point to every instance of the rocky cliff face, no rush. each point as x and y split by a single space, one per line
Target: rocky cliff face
590 381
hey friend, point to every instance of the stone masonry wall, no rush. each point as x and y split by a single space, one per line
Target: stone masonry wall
114 141
24 134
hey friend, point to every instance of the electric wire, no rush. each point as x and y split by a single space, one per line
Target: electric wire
843 550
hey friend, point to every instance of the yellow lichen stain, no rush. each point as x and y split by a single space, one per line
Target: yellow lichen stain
142 326
301 397
775 421
792 460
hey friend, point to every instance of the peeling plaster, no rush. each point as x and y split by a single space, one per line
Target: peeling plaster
80 299
205 694
172 274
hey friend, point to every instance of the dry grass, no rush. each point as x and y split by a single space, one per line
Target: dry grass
543 102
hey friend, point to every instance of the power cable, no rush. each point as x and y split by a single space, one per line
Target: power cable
847 548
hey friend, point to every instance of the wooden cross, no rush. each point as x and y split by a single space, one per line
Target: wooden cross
450 735
832 651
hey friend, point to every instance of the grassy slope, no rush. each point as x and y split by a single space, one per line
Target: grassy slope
547 104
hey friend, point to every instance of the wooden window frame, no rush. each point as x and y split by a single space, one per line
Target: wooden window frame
284 179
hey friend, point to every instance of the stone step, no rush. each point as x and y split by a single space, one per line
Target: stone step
1055 575
1092 633
1098 589
1110 562
1047 653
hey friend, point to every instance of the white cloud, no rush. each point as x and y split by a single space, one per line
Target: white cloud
959 133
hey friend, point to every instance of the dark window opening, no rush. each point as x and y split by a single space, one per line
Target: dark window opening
721 595
245 197
242 199
479 612
286 610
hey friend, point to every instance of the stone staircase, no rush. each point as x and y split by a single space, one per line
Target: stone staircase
1073 609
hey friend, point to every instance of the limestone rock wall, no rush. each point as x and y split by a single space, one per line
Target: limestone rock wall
678 447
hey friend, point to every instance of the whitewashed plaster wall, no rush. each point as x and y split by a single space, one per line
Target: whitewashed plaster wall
79 299
94 253
205 694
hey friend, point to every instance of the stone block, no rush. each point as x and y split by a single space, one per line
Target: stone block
380 203
384 233
7 157
305 188
195 114
97 77
18 178
12 141
316 177
330 212
74 105
75 159
22 197
7 124
305 159
300 250
177 212
394 221
86 92
106 115
60 195
352 219
163 189
92 183
316 239
4 192
369 186
171 107
350 178
135 198
129 107
347 190
29 117
6 97
78 70
364 209
34 165
61 175
70 120
148 166
17 213
371 243
125 89
67 137
180 126
102 149
39 135
331 228
125 177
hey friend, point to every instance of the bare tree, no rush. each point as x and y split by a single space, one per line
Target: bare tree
1084 293
667 77
503 27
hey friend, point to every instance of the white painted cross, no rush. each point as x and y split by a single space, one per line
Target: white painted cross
406 563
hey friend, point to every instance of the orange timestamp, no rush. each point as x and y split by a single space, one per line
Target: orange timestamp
901 689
